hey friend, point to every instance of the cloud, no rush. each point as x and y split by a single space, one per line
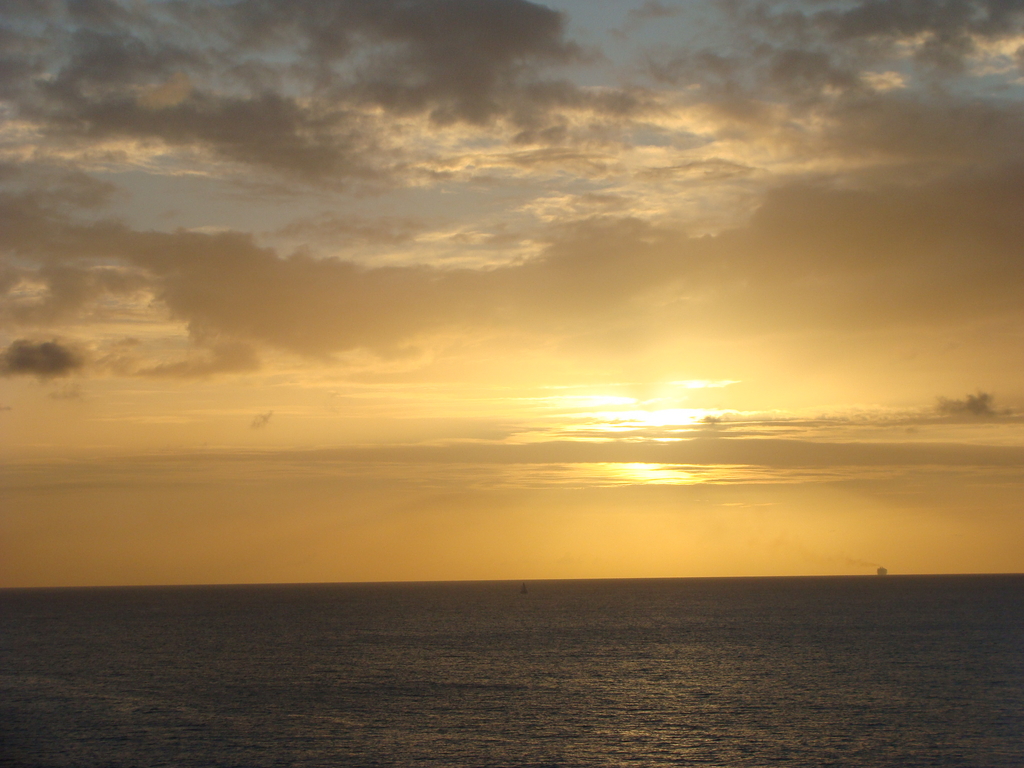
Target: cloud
347 229
650 10
67 392
327 93
58 292
706 450
839 258
168 94
972 405
461 58
261 420
711 170
947 30
877 82
218 357
935 34
292 85
909 127
44 359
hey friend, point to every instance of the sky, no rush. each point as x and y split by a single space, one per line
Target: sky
373 290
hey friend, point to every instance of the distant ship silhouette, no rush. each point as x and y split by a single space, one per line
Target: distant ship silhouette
522 589
883 571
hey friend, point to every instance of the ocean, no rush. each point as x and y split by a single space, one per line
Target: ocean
824 671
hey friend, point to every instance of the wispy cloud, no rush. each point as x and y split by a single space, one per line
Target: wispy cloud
260 420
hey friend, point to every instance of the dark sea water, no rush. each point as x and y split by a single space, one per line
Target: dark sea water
894 671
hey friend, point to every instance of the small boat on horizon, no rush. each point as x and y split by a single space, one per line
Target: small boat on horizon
523 590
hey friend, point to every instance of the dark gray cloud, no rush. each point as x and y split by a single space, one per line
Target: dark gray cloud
972 405
44 359
286 85
943 32
886 79
279 83
949 27
461 58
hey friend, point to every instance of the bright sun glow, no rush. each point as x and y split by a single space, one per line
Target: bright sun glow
649 474
704 383
665 417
